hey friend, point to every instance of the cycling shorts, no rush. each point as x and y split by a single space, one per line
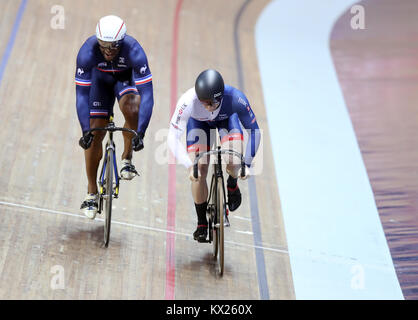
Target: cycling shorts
201 134
105 87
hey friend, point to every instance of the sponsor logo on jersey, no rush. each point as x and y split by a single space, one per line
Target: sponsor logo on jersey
143 69
181 110
102 64
250 112
121 62
222 116
242 101
80 71
97 103
175 126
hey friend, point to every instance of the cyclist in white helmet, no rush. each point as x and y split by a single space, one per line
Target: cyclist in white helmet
111 64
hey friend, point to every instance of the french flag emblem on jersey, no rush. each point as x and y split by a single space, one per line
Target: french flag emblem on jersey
143 80
83 83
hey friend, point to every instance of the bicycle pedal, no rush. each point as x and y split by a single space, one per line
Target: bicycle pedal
134 172
201 240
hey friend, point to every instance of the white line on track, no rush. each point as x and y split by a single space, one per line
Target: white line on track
240 218
244 232
9 204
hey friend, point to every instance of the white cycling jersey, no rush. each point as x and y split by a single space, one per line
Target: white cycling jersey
187 106
234 107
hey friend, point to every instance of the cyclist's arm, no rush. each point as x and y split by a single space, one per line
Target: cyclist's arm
83 84
178 124
143 82
249 122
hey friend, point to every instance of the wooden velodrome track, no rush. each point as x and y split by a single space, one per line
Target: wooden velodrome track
151 257
43 167
377 70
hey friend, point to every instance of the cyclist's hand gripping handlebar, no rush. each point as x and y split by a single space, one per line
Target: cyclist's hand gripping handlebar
86 140
137 143
195 172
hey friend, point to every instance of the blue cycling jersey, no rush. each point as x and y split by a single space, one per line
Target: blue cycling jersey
128 72
234 101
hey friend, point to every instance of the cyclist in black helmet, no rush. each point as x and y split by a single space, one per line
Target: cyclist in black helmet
211 104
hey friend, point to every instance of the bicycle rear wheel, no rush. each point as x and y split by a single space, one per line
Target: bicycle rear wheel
220 211
108 196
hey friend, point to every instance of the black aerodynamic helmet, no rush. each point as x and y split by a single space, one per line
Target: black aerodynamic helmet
210 85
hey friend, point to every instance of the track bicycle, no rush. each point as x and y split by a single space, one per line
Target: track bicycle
109 177
216 212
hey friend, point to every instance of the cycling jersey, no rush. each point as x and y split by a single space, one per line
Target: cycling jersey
98 81
191 114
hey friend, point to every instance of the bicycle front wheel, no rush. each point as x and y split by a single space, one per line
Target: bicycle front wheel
220 211
212 217
108 196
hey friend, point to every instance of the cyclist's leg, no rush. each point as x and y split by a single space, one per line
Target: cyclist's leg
101 104
94 154
198 140
232 139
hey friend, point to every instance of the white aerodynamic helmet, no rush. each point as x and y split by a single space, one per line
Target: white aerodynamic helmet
110 31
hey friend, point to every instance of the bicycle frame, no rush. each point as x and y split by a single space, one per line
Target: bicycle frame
216 210
108 171
212 200
110 147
